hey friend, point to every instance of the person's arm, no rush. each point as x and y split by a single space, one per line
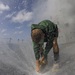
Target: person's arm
36 49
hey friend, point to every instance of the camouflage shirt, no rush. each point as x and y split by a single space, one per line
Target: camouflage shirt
48 28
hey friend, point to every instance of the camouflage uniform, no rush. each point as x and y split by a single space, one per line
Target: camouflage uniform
50 30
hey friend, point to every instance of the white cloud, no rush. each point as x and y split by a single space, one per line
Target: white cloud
19 27
1 12
15 32
24 3
3 30
5 34
18 32
10 15
22 16
4 7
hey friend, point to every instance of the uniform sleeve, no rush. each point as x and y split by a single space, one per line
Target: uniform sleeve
35 46
36 49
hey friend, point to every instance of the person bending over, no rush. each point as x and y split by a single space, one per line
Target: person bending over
44 32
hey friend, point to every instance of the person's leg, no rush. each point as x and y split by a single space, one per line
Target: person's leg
37 65
55 67
55 49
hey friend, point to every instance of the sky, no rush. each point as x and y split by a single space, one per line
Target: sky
16 16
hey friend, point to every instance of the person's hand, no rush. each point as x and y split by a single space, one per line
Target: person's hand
43 61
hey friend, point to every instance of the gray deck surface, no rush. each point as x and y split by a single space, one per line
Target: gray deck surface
18 59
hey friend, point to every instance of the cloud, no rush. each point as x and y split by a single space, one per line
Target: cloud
22 16
4 7
3 30
5 34
19 27
10 15
1 12
24 3
18 32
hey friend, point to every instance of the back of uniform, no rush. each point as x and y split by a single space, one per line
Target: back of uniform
49 29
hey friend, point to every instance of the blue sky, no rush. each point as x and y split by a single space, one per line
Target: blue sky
16 16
